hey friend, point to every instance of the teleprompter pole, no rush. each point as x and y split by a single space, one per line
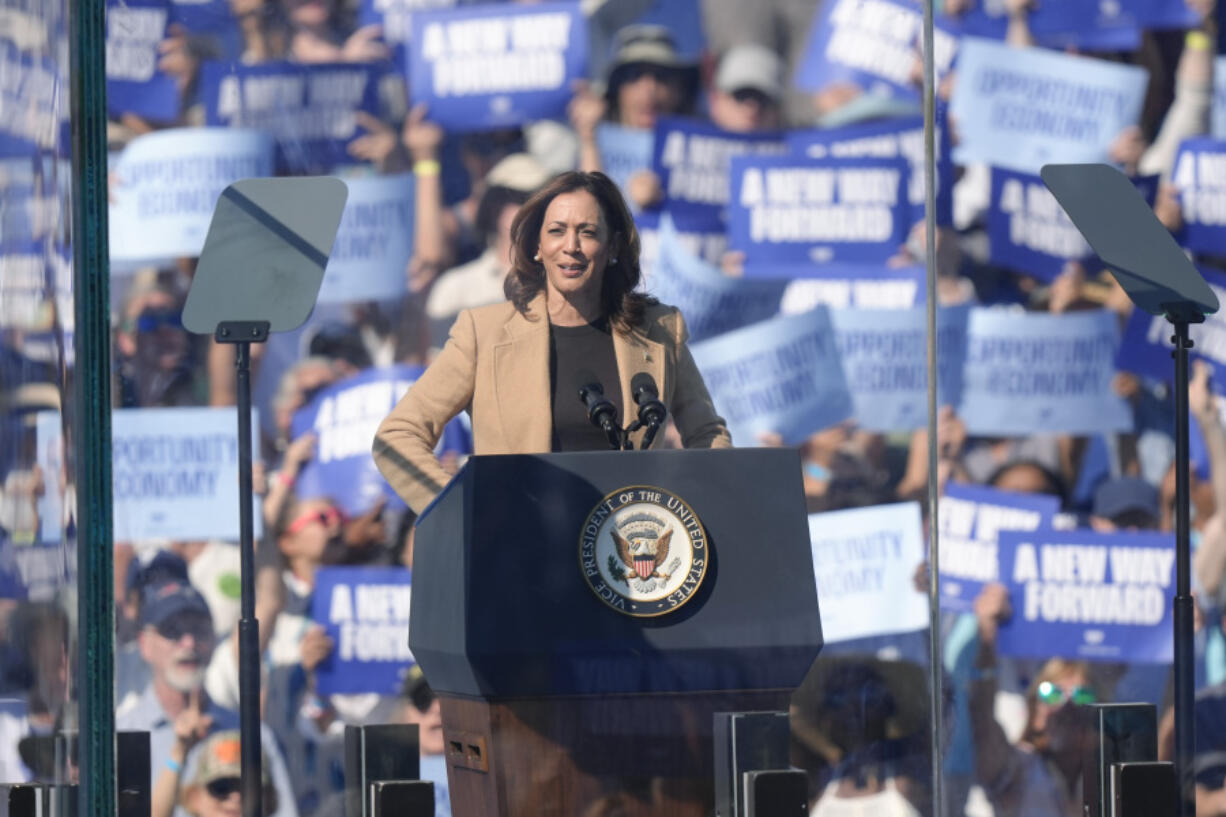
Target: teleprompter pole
1185 734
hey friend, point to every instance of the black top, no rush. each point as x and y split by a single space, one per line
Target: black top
573 349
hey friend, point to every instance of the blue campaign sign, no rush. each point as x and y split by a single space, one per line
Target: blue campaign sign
798 211
1028 373
1164 13
344 418
711 302
1089 596
886 364
782 375
1200 166
841 286
32 87
623 151
892 138
175 473
1028 230
1146 347
495 66
365 611
693 161
204 16
971 520
310 110
873 44
1218 115
134 28
1022 108
395 20
166 184
375 240
864 561
1087 25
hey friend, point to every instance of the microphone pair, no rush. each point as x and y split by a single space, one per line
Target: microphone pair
603 414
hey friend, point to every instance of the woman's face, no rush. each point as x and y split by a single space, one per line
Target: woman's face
575 244
647 92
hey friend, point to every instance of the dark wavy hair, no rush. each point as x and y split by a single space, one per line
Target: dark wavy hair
620 303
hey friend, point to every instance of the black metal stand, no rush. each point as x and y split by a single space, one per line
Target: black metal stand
1185 725
242 334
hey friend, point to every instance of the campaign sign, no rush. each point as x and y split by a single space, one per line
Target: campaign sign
310 109
971 519
175 474
31 94
495 66
1218 115
885 361
166 184
693 161
49 454
783 375
1164 13
709 244
843 286
623 152
1028 373
374 242
864 560
344 418
711 302
798 211
205 16
365 611
1200 175
1022 108
395 19
900 137
24 267
1146 347
133 82
1029 231
1088 25
1088 595
873 44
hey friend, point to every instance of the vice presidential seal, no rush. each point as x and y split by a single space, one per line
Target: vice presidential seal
643 551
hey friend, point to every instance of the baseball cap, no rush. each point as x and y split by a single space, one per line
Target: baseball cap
750 67
520 172
156 568
221 757
1123 494
645 44
165 599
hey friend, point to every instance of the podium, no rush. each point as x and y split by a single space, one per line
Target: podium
582 616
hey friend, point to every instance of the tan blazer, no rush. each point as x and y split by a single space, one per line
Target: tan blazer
495 365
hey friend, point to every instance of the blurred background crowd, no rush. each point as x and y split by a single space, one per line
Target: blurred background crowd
861 718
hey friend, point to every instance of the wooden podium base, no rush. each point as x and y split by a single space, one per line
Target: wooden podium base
632 755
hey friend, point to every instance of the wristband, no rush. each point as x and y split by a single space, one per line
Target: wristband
1197 41
174 765
285 478
427 167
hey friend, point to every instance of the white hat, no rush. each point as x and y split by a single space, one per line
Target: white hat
750 66
519 171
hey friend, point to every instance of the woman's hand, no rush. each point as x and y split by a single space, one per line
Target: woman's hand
315 648
421 136
991 608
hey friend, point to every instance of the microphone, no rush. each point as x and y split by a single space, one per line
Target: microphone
600 410
651 411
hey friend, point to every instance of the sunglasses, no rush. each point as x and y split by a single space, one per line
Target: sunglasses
153 320
1051 694
223 787
175 627
636 71
326 517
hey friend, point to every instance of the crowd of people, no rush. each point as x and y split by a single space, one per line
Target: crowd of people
861 718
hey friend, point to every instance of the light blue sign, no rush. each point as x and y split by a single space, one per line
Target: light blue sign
693 161
873 44
365 611
495 66
901 137
1089 596
134 28
344 418
166 184
864 561
175 474
711 302
1200 176
797 211
310 109
885 362
1024 108
1218 116
840 286
1028 373
623 152
971 520
371 253
783 375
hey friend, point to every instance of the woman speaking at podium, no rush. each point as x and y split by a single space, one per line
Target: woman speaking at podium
572 321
